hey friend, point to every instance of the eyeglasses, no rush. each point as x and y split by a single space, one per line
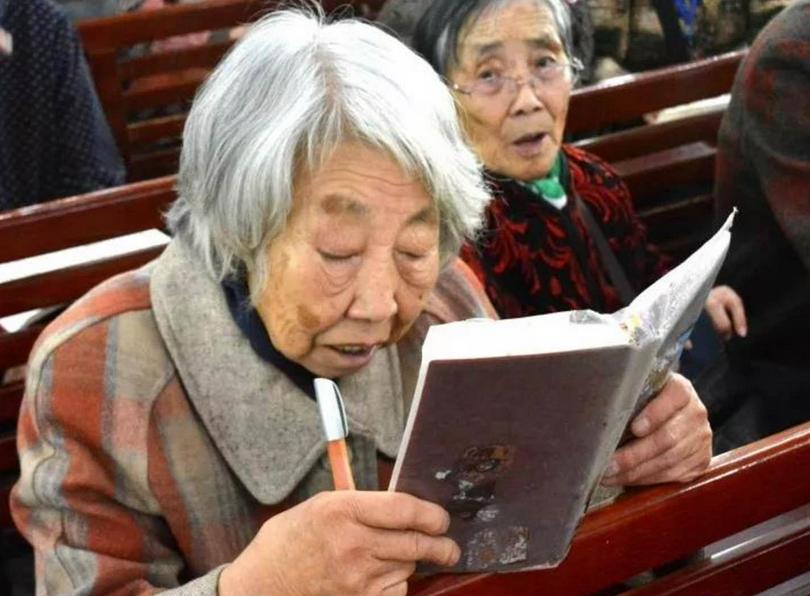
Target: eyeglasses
545 74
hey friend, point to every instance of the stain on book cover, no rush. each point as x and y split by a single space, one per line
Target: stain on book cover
475 475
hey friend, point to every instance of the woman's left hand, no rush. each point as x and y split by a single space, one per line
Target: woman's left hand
674 440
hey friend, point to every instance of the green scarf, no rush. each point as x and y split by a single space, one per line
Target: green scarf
550 188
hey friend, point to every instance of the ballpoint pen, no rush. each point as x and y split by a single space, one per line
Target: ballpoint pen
333 417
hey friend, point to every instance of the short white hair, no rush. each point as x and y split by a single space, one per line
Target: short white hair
289 93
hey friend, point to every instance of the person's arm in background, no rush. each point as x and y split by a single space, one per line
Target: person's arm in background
775 127
764 149
87 154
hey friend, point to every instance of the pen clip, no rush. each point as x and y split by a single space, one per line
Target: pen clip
333 414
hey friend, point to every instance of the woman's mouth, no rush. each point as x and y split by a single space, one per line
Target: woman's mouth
354 355
529 145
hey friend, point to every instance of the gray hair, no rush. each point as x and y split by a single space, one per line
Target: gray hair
288 94
438 32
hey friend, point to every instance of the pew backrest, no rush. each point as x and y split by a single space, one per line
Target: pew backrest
54 226
145 95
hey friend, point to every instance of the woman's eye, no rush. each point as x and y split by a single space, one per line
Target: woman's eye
412 256
487 75
545 62
336 257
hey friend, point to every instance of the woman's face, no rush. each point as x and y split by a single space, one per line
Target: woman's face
354 265
516 132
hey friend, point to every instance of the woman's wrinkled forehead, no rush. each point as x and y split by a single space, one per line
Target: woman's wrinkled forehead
529 21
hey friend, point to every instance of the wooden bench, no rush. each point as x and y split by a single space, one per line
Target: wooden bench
54 226
146 97
668 166
626 99
135 91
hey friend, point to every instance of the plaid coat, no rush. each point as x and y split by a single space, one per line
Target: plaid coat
154 442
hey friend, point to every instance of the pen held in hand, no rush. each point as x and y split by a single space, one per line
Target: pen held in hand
333 417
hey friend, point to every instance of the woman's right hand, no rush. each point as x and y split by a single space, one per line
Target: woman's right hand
727 312
342 542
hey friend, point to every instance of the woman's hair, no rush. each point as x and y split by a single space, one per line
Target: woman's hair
289 93
438 32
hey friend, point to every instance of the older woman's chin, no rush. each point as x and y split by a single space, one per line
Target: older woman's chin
524 167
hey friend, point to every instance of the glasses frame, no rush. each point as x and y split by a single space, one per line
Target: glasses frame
575 65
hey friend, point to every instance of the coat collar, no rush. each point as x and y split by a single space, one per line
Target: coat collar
266 428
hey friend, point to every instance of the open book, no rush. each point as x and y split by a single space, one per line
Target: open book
514 421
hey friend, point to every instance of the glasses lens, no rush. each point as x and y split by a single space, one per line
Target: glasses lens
489 86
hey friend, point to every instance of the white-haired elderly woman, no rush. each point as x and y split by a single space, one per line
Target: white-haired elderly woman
168 437
510 66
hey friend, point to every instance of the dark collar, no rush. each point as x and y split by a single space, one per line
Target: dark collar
250 323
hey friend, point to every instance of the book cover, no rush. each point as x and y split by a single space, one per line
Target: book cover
514 421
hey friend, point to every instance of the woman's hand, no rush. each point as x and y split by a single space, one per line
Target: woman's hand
342 542
727 312
674 440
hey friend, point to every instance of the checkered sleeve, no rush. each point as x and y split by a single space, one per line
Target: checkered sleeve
87 453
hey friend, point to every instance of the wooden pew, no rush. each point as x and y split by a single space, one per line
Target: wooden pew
135 91
53 226
627 98
146 97
668 166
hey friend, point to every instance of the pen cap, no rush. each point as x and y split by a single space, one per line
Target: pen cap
333 414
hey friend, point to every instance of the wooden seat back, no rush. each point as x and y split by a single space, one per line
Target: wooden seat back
668 166
626 99
54 226
146 95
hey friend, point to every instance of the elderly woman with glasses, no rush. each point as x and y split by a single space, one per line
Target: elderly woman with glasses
560 231
169 437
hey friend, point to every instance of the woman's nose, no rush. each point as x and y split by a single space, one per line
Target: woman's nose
526 100
375 297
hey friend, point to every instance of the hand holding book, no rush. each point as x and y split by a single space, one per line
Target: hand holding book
673 440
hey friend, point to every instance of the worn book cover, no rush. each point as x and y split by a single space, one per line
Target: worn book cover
514 421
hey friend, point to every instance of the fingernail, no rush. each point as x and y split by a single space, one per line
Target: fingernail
612 468
743 331
641 426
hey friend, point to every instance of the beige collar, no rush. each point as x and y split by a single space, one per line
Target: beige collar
266 428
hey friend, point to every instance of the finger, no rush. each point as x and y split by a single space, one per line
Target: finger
720 320
641 457
687 469
688 433
669 459
397 589
410 546
678 428
398 511
737 310
675 396
395 580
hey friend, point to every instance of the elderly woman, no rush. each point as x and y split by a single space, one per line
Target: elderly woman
561 232
168 415
509 65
